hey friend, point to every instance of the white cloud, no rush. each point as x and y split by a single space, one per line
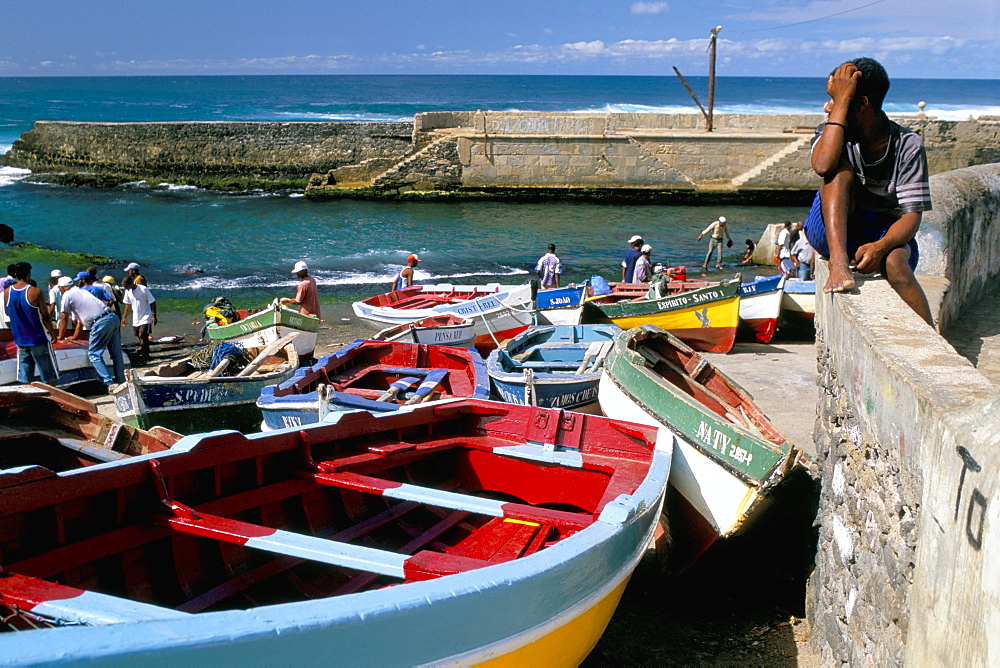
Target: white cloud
585 48
649 7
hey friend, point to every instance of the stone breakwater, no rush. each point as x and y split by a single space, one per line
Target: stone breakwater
213 154
479 154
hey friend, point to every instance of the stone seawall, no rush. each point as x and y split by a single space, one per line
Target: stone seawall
908 443
208 151
648 157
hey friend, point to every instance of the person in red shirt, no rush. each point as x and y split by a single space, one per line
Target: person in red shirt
306 294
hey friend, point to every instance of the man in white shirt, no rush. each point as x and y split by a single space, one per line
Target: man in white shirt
716 229
105 334
138 297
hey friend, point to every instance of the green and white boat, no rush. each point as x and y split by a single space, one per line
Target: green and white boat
177 396
264 327
728 456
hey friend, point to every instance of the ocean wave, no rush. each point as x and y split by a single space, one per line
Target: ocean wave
340 116
174 186
10 175
947 112
323 278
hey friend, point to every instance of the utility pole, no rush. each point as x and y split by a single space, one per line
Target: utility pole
711 81
711 74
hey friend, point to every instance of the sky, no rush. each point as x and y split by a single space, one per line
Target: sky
912 38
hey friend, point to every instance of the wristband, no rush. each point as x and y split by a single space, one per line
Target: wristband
839 125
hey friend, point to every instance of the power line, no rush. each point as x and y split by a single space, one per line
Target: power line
821 18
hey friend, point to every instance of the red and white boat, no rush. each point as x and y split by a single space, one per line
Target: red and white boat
500 311
438 330
760 304
71 361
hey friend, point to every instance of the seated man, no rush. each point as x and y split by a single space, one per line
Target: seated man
875 186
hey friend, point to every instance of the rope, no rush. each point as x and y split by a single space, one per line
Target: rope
212 355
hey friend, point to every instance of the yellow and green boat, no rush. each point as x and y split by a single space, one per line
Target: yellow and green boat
705 318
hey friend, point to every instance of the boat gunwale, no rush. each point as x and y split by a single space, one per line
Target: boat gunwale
568 557
788 453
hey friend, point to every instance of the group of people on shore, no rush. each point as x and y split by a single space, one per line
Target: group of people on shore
70 309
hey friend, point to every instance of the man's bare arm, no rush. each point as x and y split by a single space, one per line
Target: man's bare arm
841 86
869 257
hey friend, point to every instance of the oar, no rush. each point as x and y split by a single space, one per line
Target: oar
592 349
605 349
267 352
426 389
219 369
398 386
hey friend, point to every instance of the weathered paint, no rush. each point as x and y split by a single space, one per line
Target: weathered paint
760 304
722 471
190 406
706 319
296 401
745 453
555 385
499 311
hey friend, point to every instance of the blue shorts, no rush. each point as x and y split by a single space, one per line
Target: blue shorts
863 227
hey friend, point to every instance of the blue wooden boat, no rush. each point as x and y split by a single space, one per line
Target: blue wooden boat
375 376
551 366
455 534
560 306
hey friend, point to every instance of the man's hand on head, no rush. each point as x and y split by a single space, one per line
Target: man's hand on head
843 84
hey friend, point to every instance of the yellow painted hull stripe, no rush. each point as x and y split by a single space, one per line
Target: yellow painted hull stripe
569 644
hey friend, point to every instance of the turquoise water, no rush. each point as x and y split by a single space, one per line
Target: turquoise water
243 245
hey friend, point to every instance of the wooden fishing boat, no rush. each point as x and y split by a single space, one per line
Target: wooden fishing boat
798 305
621 292
760 304
72 364
374 376
560 306
554 367
179 396
456 534
264 327
727 457
500 311
45 426
438 330
704 318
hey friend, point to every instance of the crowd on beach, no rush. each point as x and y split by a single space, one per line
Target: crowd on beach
84 307
73 309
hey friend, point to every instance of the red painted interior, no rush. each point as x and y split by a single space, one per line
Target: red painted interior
111 530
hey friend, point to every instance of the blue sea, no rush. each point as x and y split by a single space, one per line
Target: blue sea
243 245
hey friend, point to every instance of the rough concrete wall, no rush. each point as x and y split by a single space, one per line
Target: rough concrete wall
666 151
273 151
910 452
859 590
960 237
